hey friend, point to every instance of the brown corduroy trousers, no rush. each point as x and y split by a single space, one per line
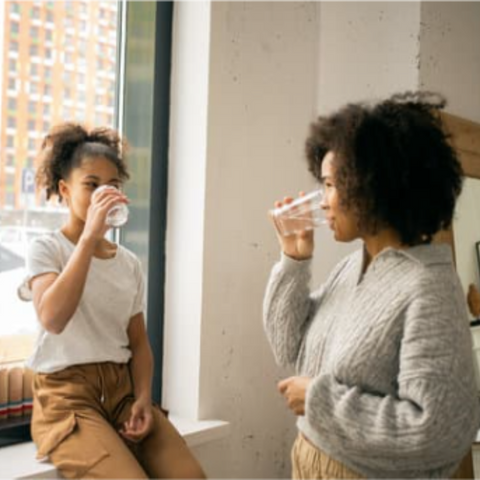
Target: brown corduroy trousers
76 417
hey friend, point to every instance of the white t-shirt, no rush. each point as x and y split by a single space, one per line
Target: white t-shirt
97 332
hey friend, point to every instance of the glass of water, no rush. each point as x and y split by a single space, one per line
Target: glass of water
117 216
304 213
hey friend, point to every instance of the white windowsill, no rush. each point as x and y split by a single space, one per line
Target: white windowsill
18 461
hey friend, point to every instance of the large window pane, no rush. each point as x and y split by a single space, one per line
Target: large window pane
52 58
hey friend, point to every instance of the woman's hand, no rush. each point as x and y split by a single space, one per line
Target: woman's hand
140 423
298 246
294 390
101 203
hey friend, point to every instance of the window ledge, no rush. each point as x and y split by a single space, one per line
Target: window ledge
18 461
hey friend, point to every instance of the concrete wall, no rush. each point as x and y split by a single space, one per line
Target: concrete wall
261 61
248 78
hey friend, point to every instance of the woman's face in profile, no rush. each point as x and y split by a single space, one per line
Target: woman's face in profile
343 222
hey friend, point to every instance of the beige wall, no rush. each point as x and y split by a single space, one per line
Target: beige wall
248 79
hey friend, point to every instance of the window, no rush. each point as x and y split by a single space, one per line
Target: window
12 104
32 144
12 65
15 8
10 141
23 211
35 13
34 50
14 27
69 23
9 160
12 84
34 32
29 162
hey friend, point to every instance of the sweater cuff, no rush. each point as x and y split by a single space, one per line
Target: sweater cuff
289 264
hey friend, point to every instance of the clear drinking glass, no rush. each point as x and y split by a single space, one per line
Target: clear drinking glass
304 213
117 216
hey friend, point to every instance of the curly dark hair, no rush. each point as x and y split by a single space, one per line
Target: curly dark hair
67 144
395 166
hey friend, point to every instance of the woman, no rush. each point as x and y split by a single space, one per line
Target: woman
93 415
385 383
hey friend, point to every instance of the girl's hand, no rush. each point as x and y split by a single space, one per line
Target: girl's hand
140 423
294 390
298 246
101 203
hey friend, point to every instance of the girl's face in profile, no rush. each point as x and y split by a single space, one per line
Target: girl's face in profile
78 188
343 222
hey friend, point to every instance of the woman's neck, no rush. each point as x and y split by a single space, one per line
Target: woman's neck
374 244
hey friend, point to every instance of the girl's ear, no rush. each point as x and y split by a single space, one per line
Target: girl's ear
63 190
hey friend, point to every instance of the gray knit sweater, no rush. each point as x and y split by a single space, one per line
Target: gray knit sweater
390 353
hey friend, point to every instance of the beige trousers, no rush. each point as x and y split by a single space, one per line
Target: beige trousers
309 462
76 416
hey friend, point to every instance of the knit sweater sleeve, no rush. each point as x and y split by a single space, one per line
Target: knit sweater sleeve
287 307
433 419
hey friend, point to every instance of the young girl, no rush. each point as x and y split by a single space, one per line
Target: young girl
93 415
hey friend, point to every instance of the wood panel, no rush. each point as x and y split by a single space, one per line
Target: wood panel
466 140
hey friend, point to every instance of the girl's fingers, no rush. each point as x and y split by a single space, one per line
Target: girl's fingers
98 198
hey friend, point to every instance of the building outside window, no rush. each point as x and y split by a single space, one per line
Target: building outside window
23 212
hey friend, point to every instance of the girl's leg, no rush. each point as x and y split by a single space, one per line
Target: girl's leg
164 453
95 450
